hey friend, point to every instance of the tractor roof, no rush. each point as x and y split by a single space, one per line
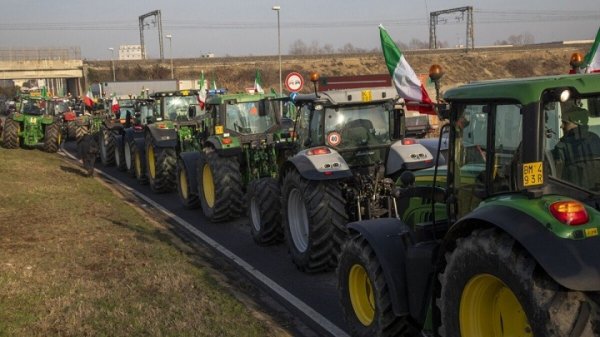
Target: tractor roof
175 93
238 98
350 96
523 90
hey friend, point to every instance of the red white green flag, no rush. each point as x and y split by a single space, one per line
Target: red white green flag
405 80
258 83
592 59
202 91
88 99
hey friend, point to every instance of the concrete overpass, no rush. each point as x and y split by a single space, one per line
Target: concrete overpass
61 69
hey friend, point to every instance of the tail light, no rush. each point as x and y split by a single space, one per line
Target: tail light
318 151
408 141
226 140
569 212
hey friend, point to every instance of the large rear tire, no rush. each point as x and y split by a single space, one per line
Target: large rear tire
492 287
139 166
264 211
80 131
128 152
10 136
219 186
364 294
161 164
107 147
71 135
314 220
52 137
119 153
188 194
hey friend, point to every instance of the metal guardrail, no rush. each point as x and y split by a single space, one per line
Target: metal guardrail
40 54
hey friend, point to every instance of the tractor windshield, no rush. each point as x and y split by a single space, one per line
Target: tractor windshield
33 107
251 117
177 107
572 142
357 126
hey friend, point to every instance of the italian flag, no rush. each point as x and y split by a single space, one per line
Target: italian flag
202 91
405 80
115 108
258 84
88 99
592 59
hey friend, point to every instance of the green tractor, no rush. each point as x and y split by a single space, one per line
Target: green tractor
32 125
155 157
242 138
503 239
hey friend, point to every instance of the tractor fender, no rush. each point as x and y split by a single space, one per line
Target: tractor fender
163 137
190 160
387 238
131 133
328 166
574 264
407 157
223 151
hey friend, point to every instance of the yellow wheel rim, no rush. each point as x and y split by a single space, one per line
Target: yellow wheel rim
183 184
361 294
138 165
208 185
489 308
151 161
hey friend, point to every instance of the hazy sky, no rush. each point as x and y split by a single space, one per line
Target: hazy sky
249 27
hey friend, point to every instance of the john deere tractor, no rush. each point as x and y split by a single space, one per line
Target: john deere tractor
348 153
155 156
503 239
32 125
129 138
242 138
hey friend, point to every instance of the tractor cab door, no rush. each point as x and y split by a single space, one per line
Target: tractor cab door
487 141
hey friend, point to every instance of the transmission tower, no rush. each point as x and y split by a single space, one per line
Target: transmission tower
434 20
157 19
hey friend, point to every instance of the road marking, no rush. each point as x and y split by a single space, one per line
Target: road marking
327 325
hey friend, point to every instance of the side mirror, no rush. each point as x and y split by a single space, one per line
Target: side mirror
443 111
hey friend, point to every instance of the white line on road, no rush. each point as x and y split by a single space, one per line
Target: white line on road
327 325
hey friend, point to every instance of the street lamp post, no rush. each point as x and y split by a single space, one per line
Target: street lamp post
278 9
112 62
169 36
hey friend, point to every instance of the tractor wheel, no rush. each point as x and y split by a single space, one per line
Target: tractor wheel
161 164
139 166
71 135
264 211
314 220
219 187
119 153
187 193
107 147
364 294
492 287
11 134
80 131
129 149
52 138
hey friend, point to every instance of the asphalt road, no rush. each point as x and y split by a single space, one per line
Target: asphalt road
311 298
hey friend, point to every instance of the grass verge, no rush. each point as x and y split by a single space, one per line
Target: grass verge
76 260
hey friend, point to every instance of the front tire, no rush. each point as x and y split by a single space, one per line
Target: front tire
107 147
492 287
10 136
119 153
52 137
161 165
264 211
187 193
219 186
139 166
80 131
314 220
364 294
